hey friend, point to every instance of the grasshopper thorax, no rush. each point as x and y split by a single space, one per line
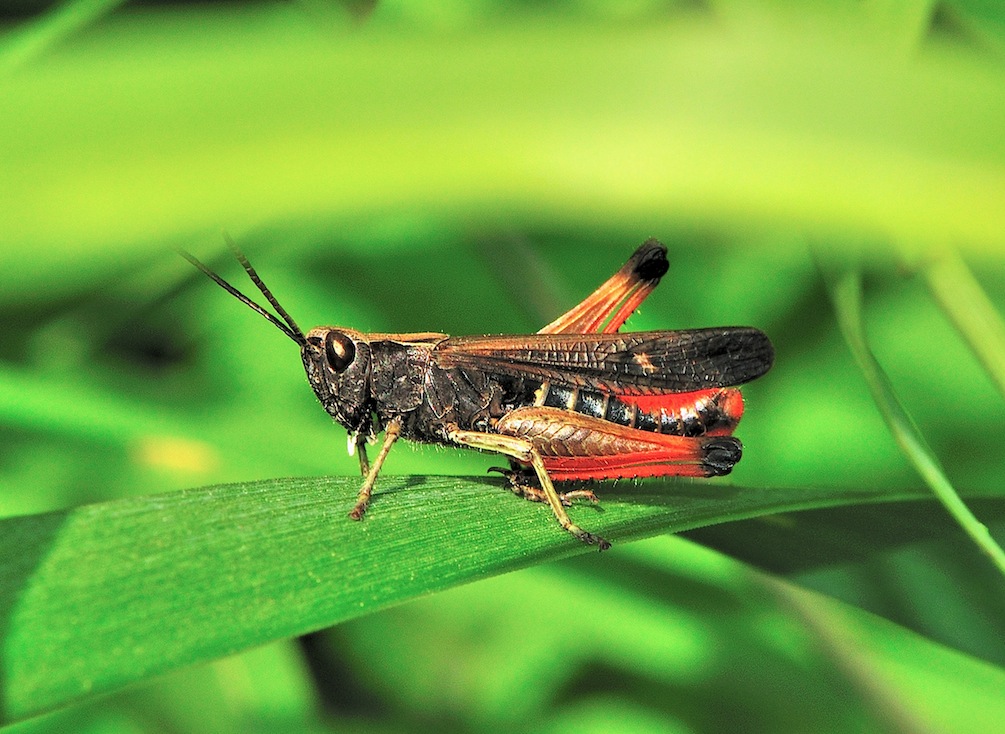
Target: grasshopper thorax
337 362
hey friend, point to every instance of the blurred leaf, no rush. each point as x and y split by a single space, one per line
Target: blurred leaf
846 290
911 685
33 38
153 128
661 630
971 311
912 565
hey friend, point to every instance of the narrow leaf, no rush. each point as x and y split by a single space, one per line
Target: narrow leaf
31 39
100 596
964 301
846 293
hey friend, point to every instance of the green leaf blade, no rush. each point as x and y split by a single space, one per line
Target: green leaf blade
104 595
846 294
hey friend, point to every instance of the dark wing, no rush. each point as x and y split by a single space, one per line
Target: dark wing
631 363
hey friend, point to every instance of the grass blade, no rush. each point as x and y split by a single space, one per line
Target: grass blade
100 596
968 307
846 292
33 38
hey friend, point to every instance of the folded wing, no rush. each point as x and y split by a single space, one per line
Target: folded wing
634 363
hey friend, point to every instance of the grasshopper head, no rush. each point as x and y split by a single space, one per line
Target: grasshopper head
337 362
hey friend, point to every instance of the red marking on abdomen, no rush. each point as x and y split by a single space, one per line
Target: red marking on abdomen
671 401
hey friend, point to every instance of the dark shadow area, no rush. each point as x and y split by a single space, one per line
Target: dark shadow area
348 698
336 680
791 543
908 562
757 692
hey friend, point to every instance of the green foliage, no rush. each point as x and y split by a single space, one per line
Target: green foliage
847 295
111 593
478 168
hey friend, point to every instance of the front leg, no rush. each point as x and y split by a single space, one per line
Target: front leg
524 452
391 434
364 461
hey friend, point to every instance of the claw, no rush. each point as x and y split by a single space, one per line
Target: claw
591 539
359 510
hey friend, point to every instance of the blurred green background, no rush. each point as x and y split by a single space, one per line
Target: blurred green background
479 167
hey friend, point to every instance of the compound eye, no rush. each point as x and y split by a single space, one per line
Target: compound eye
339 351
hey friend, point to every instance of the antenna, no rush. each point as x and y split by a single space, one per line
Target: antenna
289 328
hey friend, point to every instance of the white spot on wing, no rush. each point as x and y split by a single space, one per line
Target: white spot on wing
643 361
